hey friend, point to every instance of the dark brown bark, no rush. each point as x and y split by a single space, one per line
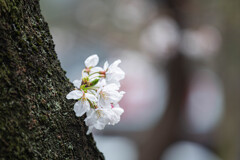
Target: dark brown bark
36 120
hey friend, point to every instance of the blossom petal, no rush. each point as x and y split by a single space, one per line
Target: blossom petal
116 63
122 93
91 61
111 87
90 121
118 111
84 75
114 74
90 128
91 97
96 69
81 107
75 94
106 65
116 96
100 125
120 74
77 83
101 83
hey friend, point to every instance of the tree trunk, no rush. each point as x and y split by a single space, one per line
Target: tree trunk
36 120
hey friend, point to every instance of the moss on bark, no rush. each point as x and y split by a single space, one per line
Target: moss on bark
36 120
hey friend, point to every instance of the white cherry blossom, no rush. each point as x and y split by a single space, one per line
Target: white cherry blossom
97 94
113 73
77 83
100 117
75 94
83 105
109 94
118 111
91 61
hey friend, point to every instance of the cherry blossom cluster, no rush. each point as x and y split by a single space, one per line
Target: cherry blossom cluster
97 93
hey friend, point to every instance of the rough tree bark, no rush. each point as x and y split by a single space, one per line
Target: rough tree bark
36 120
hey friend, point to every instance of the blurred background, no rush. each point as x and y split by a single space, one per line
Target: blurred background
181 59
